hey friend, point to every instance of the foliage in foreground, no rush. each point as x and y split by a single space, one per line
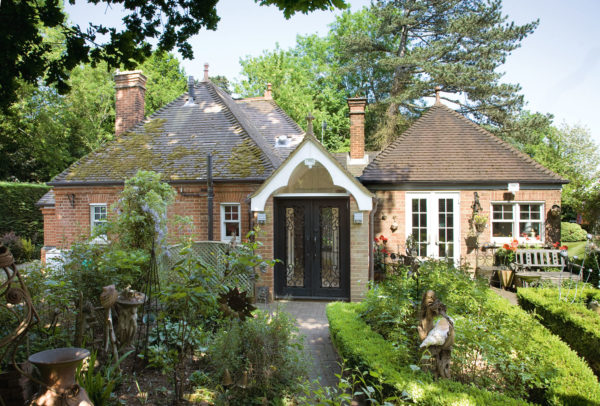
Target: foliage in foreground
498 346
571 232
569 319
260 356
367 350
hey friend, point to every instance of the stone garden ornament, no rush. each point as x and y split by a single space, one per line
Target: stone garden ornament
437 338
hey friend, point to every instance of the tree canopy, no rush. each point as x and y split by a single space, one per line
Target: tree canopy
44 132
28 54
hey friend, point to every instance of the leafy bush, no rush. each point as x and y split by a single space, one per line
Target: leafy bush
18 212
573 322
570 232
498 346
364 349
262 355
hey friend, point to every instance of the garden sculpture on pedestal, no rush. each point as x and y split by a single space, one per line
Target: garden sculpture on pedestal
108 298
438 338
128 303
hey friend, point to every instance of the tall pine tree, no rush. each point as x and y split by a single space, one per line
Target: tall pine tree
402 49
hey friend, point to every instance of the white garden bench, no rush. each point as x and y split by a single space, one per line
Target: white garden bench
526 260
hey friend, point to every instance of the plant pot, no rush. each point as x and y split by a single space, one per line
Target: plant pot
57 369
506 277
479 228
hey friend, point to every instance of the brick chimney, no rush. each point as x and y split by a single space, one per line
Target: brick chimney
357 127
130 100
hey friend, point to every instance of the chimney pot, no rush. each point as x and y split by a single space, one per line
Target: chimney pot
269 92
205 79
130 100
438 89
357 127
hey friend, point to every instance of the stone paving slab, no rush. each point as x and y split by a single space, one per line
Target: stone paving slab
313 325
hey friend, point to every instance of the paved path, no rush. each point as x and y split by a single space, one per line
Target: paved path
510 296
313 325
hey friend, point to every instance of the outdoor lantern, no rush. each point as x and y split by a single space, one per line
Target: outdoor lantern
261 218
358 218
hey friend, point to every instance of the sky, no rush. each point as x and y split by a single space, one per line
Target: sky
558 66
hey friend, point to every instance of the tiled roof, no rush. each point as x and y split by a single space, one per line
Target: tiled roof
47 200
356 170
445 147
175 141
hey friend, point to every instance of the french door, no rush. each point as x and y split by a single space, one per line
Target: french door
433 219
312 246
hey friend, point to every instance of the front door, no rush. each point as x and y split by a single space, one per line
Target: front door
432 221
312 246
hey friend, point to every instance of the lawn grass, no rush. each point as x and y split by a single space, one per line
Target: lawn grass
576 248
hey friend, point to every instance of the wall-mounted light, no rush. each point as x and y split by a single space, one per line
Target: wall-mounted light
261 218
358 218
71 197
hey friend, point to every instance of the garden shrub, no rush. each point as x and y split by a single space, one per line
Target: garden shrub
367 350
265 350
18 212
498 346
571 232
573 322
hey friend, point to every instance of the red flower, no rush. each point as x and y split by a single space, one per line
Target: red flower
556 244
538 237
383 239
506 246
563 248
376 240
385 251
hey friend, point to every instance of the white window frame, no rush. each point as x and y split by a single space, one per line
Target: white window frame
101 239
516 210
224 238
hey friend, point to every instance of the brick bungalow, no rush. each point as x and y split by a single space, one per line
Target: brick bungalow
318 211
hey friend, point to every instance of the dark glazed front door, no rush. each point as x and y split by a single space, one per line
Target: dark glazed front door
312 244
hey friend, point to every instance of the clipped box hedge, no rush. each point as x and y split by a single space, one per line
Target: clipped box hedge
573 322
18 212
361 347
573 382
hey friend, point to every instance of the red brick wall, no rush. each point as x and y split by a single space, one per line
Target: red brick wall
66 224
130 100
392 204
357 127
266 238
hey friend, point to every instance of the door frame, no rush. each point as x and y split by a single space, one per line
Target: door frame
312 290
433 219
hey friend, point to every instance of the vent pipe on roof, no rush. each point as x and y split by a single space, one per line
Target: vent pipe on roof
191 101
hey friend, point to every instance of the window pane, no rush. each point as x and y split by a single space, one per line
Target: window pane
232 229
530 229
502 229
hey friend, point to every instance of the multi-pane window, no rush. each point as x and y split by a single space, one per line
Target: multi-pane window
97 215
230 222
523 221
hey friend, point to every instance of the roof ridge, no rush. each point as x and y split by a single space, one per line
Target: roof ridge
246 125
504 144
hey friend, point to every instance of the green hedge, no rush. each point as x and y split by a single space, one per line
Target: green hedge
572 383
573 322
361 347
18 212
570 232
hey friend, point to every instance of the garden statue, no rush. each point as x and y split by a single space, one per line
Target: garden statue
128 303
108 298
438 338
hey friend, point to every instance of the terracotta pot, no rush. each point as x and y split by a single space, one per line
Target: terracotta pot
57 368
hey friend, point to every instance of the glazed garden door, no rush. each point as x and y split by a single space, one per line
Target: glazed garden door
312 246
432 219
